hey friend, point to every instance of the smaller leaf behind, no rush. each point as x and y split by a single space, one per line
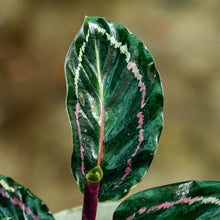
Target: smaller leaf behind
17 202
190 200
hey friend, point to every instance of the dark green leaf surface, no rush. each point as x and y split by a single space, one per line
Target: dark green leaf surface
114 102
193 200
6 219
19 203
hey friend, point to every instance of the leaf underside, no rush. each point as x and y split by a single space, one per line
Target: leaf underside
192 200
114 103
17 202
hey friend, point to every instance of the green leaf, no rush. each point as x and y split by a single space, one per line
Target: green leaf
6 218
191 200
17 202
105 212
114 103
95 174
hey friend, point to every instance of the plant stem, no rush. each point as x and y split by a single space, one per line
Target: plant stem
91 191
90 200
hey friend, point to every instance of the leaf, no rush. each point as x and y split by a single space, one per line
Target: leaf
17 202
191 200
6 218
114 103
105 212
95 174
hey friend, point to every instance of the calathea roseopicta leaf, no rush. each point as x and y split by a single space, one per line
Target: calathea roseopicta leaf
114 103
17 202
192 200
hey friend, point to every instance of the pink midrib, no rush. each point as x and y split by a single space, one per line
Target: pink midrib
102 116
102 130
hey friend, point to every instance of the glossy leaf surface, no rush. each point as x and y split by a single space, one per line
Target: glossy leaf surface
114 102
6 219
193 200
17 202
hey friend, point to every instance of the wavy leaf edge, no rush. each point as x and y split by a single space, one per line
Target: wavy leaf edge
73 76
201 197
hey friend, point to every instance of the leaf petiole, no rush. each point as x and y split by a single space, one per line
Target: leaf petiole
91 191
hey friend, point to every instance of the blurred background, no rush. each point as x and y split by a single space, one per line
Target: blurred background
35 135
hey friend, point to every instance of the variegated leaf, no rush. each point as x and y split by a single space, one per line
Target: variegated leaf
193 200
17 202
114 103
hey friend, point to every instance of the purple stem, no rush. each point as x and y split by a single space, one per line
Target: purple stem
90 200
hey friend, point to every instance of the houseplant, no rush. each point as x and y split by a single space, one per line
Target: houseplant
114 102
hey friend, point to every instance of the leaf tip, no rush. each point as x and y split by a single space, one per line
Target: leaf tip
87 18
